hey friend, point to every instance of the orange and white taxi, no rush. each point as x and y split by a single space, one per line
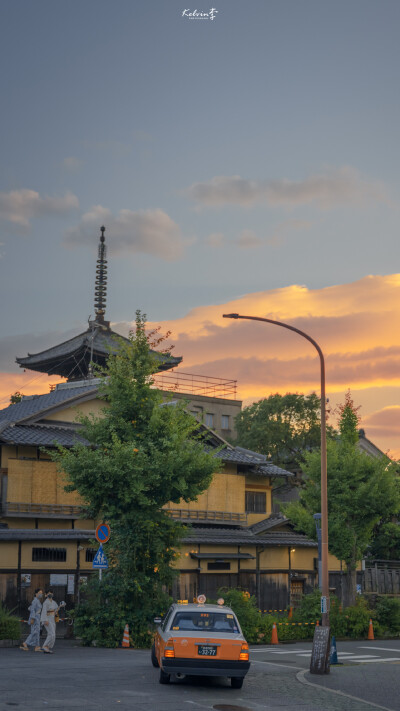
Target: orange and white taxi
200 640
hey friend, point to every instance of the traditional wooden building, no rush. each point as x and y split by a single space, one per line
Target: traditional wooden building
233 536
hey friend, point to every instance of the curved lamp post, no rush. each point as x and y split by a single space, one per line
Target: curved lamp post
324 478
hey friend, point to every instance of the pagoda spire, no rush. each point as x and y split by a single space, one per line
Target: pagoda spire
100 291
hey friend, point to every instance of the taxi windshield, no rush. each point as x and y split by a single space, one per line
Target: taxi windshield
198 621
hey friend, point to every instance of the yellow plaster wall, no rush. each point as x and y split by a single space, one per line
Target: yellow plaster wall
6 452
274 558
185 561
58 523
19 522
69 414
29 564
303 558
334 563
86 524
9 554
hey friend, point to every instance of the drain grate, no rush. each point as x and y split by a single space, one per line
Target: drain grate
231 707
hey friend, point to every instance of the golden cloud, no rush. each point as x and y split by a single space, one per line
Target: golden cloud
355 325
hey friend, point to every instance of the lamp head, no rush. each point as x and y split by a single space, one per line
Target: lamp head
230 316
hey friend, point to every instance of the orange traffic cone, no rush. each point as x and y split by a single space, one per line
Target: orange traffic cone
370 630
125 638
274 635
317 623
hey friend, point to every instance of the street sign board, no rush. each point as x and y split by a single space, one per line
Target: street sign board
103 532
320 654
100 560
324 605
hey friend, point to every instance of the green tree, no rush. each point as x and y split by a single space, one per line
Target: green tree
16 397
361 491
348 419
284 427
386 541
143 453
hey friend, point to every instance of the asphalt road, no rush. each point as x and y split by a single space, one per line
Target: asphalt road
86 678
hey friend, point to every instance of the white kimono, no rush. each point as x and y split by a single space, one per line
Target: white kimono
49 610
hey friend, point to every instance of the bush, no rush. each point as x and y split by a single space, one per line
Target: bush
10 627
388 614
108 606
358 617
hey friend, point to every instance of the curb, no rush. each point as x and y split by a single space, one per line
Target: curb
300 677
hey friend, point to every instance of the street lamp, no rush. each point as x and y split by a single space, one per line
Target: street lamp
324 478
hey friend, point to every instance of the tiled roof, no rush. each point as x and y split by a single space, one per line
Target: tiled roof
101 341
33 404
37 534
268 523
216 536
41 436
237 456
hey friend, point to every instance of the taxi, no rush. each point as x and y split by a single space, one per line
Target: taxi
200 640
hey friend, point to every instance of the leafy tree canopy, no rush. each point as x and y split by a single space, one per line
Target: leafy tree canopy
284 427
144 453
362 491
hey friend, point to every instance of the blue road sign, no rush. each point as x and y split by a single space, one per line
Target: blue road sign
100 560
103 532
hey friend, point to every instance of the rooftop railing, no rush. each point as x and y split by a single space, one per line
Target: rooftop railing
191 384
11 508
220 517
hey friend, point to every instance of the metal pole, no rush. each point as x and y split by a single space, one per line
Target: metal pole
324 479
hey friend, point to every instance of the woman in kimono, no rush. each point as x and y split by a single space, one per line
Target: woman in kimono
34 620
48 618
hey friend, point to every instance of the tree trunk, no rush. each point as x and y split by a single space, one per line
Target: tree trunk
349 587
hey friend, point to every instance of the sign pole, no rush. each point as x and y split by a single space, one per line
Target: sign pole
100 572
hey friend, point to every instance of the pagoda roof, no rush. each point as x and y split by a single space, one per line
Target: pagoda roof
71 359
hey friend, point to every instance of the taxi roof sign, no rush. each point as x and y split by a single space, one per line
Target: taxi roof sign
103 532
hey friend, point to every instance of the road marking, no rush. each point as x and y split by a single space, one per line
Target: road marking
388 659
278 651
300 677
383 649
202 706
370 657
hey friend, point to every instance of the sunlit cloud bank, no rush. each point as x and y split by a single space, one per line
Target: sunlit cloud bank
355 325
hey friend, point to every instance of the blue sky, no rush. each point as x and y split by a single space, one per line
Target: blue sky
128 106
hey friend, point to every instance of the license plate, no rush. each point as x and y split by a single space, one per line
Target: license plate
206 650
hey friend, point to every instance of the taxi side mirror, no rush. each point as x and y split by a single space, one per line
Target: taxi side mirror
157 620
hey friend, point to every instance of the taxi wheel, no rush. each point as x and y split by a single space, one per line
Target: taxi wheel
164 678
154 659
237 682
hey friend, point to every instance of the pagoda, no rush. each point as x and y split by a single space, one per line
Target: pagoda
73 359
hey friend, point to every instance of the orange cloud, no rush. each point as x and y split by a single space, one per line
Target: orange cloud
355 325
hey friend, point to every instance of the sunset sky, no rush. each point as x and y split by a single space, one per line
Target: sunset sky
245 163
